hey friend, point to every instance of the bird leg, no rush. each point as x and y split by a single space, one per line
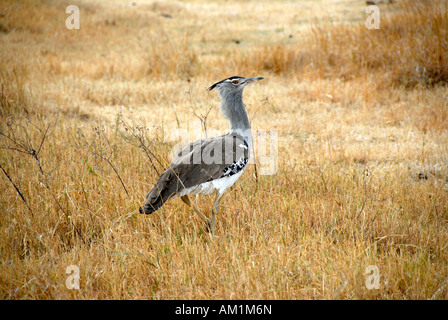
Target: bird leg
215 210
187 201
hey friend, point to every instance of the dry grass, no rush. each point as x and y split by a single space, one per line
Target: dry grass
409 49
87 121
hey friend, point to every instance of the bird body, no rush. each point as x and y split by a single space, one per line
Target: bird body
212 164
221 184
195 170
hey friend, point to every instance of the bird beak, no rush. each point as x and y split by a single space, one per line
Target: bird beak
250 80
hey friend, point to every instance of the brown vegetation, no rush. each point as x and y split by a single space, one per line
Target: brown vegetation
86 125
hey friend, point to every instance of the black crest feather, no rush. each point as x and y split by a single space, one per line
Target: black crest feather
230 78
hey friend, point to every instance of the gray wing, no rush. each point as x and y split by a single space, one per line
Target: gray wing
202 161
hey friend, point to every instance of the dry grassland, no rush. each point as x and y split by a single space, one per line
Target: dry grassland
87 122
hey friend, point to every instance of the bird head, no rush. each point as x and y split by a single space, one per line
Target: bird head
232 84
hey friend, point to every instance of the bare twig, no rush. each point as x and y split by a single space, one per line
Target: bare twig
137 134
26 146
366 174
101 154
17 189
264 102
201 117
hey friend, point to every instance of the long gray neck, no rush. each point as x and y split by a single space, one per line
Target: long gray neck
233 108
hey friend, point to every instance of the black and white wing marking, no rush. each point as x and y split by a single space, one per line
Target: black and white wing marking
237 166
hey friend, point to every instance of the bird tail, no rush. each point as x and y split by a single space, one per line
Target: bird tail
150 207
154 200
164 190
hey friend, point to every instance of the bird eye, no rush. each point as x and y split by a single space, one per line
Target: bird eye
235 81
